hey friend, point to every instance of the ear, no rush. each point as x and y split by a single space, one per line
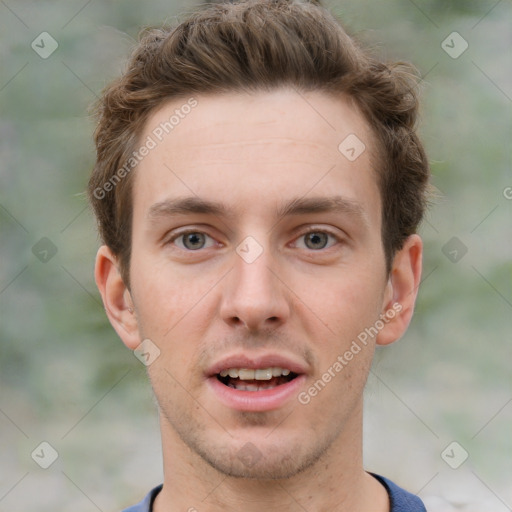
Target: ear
401 291
116 298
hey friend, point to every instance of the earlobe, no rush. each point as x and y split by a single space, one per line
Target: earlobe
402 290
116 297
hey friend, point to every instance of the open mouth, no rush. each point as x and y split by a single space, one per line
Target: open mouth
245 379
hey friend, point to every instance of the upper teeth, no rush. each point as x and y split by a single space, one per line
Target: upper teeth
259 374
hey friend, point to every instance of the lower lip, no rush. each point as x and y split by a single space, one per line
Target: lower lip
264 400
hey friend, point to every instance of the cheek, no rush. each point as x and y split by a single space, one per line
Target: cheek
174 312
345 304
165 295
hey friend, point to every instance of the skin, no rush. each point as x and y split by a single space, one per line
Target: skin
255 153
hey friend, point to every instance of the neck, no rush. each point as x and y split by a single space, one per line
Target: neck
337 482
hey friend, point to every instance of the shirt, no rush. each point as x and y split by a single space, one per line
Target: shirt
399 499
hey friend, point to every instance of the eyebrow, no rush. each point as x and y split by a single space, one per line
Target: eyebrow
297 206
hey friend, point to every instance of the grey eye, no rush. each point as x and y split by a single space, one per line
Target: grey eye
193 240
316 240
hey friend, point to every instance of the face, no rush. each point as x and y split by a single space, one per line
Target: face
257 265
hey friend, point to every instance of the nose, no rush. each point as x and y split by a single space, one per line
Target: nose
254 296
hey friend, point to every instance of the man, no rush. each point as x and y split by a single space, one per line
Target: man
258 187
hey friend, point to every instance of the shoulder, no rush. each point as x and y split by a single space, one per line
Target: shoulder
146 505
400 499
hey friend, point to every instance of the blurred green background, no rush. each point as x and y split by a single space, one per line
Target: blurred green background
65 377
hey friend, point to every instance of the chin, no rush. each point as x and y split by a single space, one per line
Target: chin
260 459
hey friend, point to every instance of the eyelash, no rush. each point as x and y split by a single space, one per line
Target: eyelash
309 230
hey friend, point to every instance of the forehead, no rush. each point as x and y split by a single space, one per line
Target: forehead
265 145
311 119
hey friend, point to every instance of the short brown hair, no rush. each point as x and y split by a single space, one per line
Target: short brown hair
256 45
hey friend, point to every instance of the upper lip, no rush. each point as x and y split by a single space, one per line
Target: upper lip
255 362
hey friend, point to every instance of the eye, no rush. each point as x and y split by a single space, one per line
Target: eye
316 239
191 240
